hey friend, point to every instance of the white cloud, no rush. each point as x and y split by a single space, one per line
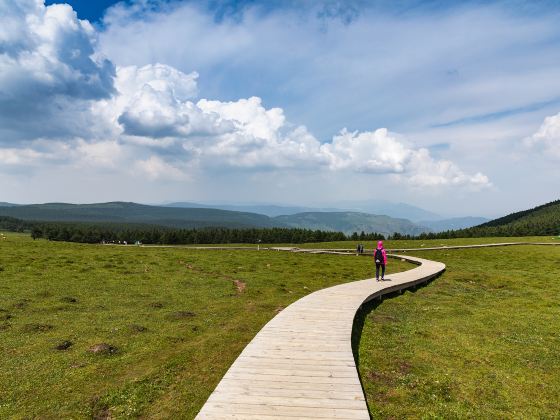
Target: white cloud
48 69
13 156
380 151
150 118
547 138
103 154
371 152
426 171
158 169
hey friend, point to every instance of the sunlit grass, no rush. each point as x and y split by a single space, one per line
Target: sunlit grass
173 321
479 342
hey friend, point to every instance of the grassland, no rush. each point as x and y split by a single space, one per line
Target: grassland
479 342
406 243
417 243
171 321
482 341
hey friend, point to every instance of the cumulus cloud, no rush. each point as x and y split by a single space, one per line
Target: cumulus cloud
547 138
150 119
380 151
48 64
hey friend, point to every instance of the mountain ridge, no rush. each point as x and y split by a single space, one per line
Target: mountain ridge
129 212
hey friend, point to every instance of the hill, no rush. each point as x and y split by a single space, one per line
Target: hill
271 210
399 210
349 222
541 220
453 223
137 213
199 217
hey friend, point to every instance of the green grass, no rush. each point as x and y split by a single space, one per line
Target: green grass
417 243
481 341
406 243
174 316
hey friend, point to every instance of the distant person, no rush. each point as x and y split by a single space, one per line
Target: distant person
380 256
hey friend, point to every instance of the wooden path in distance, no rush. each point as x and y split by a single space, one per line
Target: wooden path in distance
301 365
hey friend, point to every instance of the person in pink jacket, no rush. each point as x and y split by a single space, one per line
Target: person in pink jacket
380 256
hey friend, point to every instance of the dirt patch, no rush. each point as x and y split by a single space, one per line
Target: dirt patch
176 316
68 299
381 377
36 328
103 348
380 318
100 410
404 368
64 345
279 309
156 305
138 328
240 286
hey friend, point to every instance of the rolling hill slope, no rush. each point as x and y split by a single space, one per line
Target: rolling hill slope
453 223
137 213
179 217
349 222
541 220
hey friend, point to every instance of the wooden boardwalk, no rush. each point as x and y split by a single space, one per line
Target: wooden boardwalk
301 364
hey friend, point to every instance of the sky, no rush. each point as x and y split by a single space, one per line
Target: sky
450 106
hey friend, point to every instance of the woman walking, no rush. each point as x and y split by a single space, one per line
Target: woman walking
380 256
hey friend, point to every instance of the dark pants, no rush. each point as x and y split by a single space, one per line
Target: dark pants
377 265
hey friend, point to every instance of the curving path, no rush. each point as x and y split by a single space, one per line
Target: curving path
301 364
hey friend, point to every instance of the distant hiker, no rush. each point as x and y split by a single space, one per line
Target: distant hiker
380 257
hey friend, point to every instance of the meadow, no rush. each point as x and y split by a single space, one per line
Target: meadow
91 331
97 331
481 341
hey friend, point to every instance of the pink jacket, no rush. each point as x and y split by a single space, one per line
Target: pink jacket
380 246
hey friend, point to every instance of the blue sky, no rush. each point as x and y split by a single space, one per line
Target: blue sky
452 106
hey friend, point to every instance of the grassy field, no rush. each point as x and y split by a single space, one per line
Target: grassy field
481 341
415 243
404 243
91 331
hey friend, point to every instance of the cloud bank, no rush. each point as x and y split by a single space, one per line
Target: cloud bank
63 103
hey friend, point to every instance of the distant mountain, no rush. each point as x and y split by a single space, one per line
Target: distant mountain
270 210
388 208
137 213
453 224
4 204
349 222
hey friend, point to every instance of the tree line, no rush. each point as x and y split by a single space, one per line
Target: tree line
150 234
